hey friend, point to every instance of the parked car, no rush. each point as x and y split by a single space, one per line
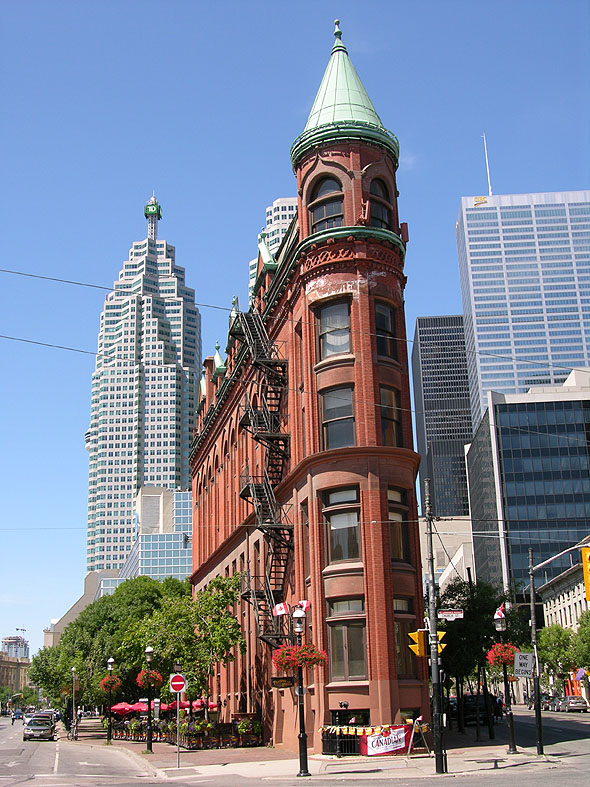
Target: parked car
574 703
17 714
469 708
28 716
39 729
555 703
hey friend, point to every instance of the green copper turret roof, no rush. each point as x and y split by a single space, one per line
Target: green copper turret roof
342 109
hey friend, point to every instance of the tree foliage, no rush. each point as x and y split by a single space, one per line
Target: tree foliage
97 634
581 642
555 646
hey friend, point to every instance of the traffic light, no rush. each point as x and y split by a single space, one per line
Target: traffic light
586 566
419 638
441 645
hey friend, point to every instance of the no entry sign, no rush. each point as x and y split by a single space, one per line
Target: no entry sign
177 683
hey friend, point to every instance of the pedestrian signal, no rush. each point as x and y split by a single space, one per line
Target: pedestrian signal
419 646
586 566
441 645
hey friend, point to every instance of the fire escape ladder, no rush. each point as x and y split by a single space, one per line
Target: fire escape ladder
266 425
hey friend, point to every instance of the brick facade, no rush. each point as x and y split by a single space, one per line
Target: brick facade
365 574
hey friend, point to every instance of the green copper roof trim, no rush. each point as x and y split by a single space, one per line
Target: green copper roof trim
220 367
283 275
342 102
344 131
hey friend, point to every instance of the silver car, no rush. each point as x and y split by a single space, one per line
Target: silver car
39 729
574 703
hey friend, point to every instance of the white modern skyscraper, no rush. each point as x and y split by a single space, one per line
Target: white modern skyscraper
143 392
278 217
524 263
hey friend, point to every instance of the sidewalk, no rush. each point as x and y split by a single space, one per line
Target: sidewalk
464 755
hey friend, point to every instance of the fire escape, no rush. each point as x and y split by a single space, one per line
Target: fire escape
265 423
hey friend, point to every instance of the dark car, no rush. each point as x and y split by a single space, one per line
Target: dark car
469 709
574 703
18 714
39 729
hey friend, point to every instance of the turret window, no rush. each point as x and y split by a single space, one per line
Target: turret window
385 329
337 417
334 329
381 210
326 206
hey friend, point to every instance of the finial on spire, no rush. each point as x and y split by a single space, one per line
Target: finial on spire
337 31
153 213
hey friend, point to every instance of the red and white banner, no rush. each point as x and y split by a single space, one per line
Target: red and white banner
394 739
280 609
304 605
499 613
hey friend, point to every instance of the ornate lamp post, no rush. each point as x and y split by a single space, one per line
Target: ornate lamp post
500 624
149 655
298 629
110 663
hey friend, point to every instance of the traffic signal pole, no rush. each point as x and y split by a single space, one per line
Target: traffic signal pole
437 728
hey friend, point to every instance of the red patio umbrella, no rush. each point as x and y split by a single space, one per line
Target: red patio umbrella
199 704
164 707
183 704
121 708
139 706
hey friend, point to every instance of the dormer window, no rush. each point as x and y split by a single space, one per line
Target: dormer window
381 210
326 206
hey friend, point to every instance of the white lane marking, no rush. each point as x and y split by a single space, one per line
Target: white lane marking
56 762
94 764
10 764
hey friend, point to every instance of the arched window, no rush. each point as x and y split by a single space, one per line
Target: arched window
326 206
381 211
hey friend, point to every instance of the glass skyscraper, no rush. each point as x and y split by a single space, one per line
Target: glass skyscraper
143 393
529 480
443 413
524 264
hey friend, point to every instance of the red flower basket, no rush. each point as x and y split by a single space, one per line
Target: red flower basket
111 682
502 653
290 657
149 677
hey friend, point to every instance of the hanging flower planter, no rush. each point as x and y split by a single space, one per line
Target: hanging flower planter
149 677
502 653
291 657
110 683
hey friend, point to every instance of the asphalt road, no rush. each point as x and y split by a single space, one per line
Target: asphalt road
67 763
63 762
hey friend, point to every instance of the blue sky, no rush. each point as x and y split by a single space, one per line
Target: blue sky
105 102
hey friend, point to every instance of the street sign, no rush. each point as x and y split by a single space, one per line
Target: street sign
523 665
282 682
450 614
177 683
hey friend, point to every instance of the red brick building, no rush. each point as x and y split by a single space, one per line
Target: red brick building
303 464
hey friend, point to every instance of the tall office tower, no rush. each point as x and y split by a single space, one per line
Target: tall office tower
143 392
529 487
278 217
443 413
524 263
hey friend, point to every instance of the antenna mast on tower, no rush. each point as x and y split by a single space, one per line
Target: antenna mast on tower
485 148
153 213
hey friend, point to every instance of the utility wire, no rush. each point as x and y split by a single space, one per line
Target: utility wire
128 292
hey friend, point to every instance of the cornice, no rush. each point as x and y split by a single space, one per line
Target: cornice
344 131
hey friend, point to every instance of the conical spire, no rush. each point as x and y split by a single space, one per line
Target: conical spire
342 95
342 109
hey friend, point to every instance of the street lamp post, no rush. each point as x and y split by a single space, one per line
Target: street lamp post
110 663
149 655
500 624
298 629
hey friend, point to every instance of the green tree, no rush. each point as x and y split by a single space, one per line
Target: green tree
198 633
581 642
556 653
49 671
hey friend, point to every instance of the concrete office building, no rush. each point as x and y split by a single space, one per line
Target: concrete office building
529 485
442 411
303 464
143 392
524 264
